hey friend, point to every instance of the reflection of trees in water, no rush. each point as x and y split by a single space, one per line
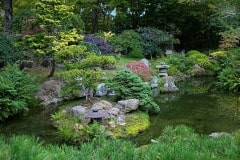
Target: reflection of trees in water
229 104
196 86
197 104
193 86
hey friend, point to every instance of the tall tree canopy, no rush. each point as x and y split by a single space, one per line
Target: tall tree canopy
206 19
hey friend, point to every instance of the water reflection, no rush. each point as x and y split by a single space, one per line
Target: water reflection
199 105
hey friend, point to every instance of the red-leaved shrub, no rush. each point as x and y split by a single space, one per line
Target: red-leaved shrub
140 69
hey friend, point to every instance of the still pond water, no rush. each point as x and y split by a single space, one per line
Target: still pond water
198 104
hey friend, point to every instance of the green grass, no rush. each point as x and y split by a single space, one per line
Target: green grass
180 143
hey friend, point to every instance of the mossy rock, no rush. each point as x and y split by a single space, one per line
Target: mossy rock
135 123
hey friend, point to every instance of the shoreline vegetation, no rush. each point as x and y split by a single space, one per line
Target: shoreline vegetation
175 143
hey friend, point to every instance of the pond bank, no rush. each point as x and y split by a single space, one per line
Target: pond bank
197 104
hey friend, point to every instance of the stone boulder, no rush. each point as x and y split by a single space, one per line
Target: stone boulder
101 90
50 92
145 61
101 105
198 70
128 105
169 85
111 93
120 119
79 110
218 134
26 64
154 82
114 111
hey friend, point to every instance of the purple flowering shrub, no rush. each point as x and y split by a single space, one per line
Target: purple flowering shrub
103 46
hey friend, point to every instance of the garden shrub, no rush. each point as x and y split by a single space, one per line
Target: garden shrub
192 52
9 53
16 91
77 57
178 61
97 61
196 57
71 54
128 43
218 54
80 68
129 85
140 69
103 46
177 65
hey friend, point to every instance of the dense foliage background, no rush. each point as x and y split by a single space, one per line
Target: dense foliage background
210 21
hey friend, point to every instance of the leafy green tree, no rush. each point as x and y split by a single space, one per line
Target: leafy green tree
129 14
53 15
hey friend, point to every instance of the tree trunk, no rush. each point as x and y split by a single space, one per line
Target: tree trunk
52 69
94 20
7 15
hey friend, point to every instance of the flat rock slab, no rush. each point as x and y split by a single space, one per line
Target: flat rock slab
98 114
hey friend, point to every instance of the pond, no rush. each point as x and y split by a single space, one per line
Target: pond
198 104
36 122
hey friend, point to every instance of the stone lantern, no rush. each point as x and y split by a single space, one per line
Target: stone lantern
98 116
163 67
